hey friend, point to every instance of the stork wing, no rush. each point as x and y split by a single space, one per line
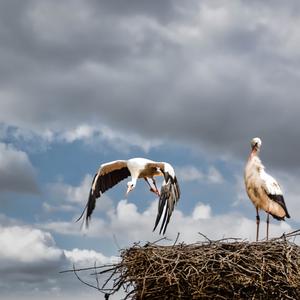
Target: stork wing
169 196
273 191
108 175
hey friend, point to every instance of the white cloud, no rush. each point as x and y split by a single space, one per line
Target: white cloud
214 176
68 198
191 173
54 208
201 211
30 262
88 257
291 189
122 141
26 139
8 221
225 225
64 227
92 135
27 246
241 195
64 192
16 171
81 132
129 225
125 140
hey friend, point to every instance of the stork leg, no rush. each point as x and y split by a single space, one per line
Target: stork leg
151 188
268 221
257 223
154 183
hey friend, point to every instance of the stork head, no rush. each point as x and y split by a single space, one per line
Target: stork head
256 143
130 186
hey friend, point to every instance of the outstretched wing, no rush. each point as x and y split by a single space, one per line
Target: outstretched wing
108 175
273 191
169 196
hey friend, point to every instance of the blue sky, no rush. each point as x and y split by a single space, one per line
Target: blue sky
87 82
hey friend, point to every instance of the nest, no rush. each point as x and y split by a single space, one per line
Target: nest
224 269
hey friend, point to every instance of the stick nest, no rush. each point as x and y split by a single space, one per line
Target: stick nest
224 269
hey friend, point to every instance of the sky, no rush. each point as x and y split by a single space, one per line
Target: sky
85 82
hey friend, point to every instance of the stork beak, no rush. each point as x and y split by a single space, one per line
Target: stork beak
254 147
128 190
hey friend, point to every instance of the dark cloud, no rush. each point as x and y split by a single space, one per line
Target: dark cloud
209 74
16 172
164 11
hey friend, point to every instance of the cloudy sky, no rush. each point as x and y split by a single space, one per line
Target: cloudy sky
84 82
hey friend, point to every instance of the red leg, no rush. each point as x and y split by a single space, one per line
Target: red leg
268 221
257 223
151 188
154 183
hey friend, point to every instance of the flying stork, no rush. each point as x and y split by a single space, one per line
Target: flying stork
111 173
262 189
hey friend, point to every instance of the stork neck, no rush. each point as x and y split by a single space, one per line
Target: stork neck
253 153
133 180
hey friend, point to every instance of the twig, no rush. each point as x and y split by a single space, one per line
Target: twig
178 234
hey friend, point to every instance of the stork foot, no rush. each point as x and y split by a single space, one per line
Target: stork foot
154 191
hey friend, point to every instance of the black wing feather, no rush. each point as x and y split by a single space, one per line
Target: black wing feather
169 195
280 200
103 183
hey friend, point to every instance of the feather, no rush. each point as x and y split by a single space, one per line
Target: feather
169 196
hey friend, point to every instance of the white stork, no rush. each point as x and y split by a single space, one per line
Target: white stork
111 173
262 189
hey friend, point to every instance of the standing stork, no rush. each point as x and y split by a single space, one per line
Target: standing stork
262 189
111 173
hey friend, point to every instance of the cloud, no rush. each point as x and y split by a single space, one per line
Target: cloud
214 175
290 186
65 197
63 227
240 190
28 256
30 262
129 225
191 173
29 246
201 211
174 73
135 76
80 132
16 171
85 257
124 141
55 208
117 139
31 140
64 192
25 139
